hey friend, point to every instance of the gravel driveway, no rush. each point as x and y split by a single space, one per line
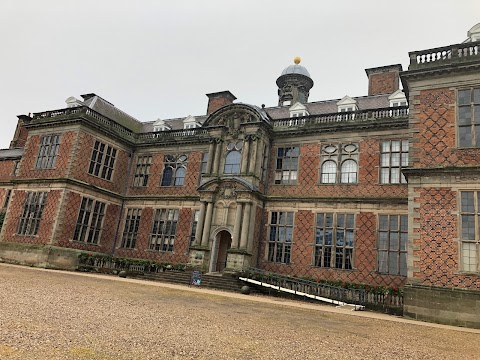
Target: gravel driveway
60 315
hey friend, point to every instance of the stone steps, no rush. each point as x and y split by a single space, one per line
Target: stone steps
226 283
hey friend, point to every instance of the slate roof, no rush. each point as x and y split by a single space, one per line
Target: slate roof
109 110
330 106
282 112
6 154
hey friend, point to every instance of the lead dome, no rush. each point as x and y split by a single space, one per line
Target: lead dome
295 69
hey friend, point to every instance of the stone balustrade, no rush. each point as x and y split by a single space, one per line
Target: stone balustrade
351 116
446 55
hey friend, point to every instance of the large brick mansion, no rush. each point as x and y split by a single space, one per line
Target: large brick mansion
381 189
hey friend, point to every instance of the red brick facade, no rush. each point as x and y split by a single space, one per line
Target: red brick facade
309 185
47 223
28 169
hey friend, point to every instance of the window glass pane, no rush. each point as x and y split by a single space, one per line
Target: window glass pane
468 227
465 136
476 112
477 135
167 177
349 238
467 201
393 263
328 220
464 97
385 176
382 261
395 146
289 218
403 264
395 178
328 237
393 241
385 159
394 222
350 221
383 222
395 159
464 115
403 241
476 96
404 223
319 220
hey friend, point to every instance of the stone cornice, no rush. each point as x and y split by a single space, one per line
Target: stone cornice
447 170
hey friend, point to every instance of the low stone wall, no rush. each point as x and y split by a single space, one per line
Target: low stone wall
445 306
45 256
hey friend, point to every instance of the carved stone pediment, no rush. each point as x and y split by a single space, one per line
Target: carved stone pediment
227 188
231 116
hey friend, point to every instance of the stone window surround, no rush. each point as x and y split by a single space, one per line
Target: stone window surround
474 105
290 153
89 224
174 165
164 229
102 161
320 243
471 244
32 211
48 151
142 170
283 220
387 165
387 248
339 156
130 229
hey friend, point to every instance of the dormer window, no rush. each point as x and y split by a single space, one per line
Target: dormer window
73 102
298 110
160 125
398 99
347 104
190 122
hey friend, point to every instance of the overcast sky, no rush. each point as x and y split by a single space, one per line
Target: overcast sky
158 59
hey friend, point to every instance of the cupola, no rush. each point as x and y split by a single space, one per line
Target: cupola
294 84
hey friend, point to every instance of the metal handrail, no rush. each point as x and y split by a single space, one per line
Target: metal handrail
352 296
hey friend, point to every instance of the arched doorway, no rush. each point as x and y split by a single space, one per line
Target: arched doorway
224 241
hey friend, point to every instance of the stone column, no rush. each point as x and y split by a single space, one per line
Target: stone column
245 150
260 156
245 226
236 227
208 223
253 216
201 221
211 152
216 162
253 155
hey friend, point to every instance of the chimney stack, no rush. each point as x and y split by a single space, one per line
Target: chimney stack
21 132
218 100
384 79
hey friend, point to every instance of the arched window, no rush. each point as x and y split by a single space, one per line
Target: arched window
349 171
329 172
167 176
175 168
339 163
180 176
232 162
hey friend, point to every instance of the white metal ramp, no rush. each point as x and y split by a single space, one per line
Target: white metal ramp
354 307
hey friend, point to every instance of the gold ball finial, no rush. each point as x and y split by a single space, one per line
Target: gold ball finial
297 60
